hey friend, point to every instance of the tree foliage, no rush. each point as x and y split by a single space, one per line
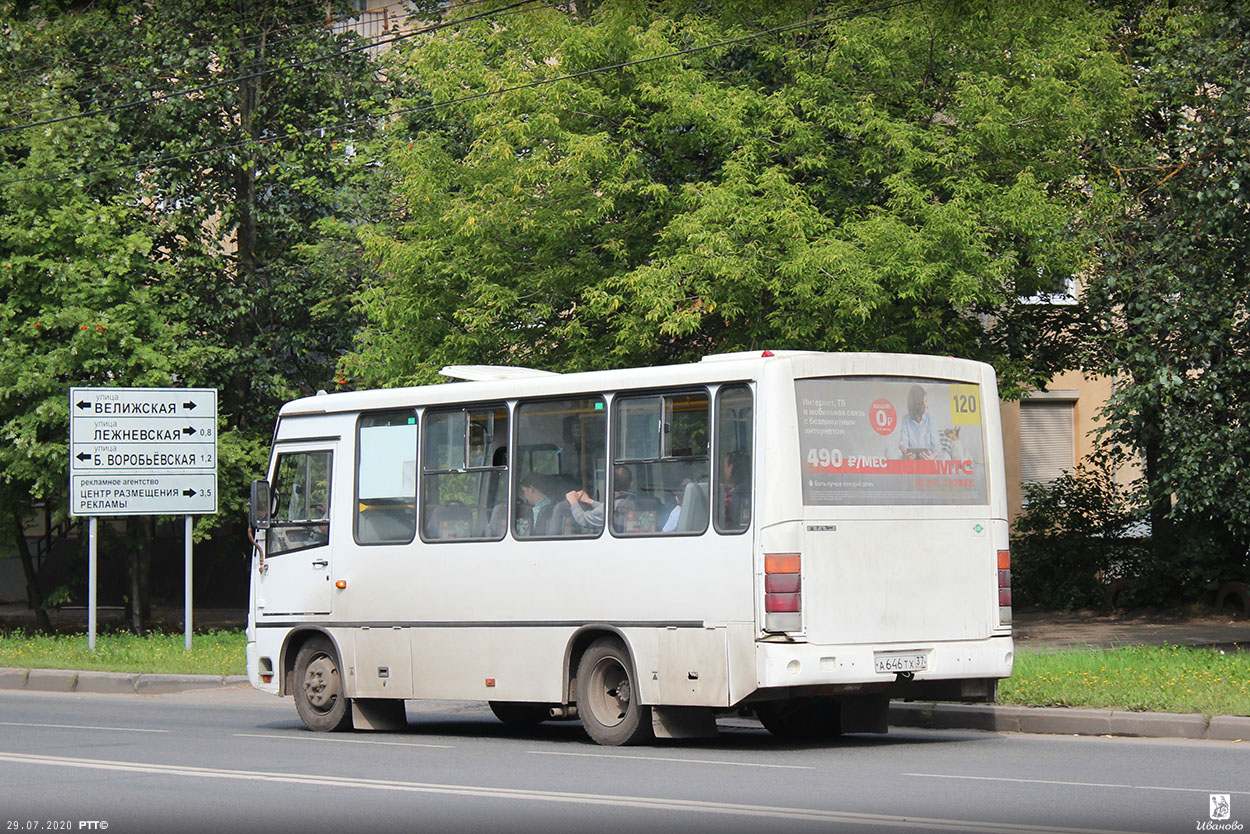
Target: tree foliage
1170 307
167 176
861 181
1077 541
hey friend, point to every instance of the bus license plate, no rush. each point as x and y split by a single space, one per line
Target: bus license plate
900 662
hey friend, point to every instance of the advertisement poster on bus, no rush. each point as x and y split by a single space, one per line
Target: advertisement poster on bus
891 440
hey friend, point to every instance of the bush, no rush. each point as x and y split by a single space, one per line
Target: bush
1205 556
1074 538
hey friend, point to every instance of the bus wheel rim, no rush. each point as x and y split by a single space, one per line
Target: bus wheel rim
321 684
610 692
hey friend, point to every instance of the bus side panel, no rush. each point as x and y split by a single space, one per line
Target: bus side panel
693 667
382 667
489 663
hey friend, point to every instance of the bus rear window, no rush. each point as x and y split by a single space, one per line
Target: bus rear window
891 440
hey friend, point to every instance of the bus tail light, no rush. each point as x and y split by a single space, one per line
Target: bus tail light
783 597
1004 587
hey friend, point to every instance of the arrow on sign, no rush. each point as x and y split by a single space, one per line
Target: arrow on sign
189 405
189 493
83 456
188 430
84 404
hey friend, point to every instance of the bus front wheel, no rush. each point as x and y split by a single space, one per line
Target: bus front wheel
319 698
607 696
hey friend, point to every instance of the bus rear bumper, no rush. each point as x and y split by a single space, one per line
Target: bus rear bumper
885 667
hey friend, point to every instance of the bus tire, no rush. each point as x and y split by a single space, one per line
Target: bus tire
319 698
520 714
607 696
800 719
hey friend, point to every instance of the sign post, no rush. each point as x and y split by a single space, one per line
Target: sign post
142 451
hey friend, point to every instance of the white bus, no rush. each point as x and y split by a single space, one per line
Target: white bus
801 535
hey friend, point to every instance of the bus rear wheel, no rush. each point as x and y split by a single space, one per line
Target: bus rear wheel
607 696
319 698
520 714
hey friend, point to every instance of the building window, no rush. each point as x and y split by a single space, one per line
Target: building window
1047 439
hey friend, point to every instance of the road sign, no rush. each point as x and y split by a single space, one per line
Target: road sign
178 494
143 451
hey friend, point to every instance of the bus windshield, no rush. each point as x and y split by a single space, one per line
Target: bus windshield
891 440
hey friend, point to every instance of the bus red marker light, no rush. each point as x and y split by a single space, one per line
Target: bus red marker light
782 603
783 598
1004 587
782 583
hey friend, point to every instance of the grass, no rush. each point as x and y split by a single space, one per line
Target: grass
1140 678
212 653
1143 678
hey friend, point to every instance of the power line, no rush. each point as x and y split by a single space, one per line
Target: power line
259 73
157 161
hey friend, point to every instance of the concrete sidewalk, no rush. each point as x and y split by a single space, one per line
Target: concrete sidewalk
1046 630
1034 631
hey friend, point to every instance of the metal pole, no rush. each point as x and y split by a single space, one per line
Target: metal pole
91 590
187 613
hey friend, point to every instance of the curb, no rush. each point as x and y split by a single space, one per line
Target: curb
113 683
1064 721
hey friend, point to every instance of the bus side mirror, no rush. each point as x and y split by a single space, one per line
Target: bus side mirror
258 510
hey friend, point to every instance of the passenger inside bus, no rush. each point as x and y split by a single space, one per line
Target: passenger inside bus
588 513
534 516
672 511
735 491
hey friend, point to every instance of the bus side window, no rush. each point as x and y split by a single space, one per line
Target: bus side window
734 438
660 464
561 454
301 490
464 468
386 478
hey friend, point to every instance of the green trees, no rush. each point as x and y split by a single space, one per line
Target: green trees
207 192
1170 310
886 181
164 181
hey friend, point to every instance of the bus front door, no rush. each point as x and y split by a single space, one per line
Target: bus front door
295 574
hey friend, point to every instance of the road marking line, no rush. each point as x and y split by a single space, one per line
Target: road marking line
646 802
668 759
81 727
1071 784
343 740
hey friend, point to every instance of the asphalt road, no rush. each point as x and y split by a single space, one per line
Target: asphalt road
238 761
